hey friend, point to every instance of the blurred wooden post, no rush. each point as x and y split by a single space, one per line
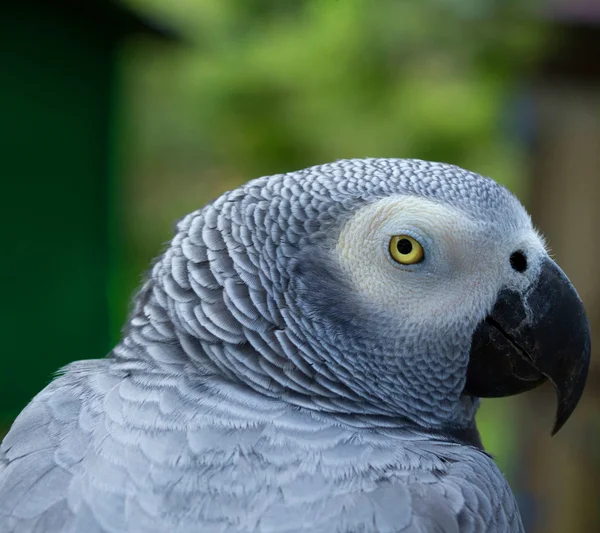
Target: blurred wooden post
565 204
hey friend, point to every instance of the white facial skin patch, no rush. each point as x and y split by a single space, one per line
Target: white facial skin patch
465 261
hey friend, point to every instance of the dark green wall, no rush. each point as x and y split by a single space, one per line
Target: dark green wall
55 91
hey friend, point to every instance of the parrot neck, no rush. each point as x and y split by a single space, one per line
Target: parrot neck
312 366
142 352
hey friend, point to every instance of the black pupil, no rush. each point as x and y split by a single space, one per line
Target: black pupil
518 261
404 246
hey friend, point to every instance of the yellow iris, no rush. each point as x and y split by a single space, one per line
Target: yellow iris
406 250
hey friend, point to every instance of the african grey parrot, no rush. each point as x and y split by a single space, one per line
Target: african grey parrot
308 355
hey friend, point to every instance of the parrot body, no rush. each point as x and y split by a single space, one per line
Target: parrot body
284 371
117 453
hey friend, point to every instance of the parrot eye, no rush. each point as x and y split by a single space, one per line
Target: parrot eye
406 250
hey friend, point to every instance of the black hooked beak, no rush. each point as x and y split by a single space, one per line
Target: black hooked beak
528 339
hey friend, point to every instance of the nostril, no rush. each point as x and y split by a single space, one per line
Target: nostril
518 261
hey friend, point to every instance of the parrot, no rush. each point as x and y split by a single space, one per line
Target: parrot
308 355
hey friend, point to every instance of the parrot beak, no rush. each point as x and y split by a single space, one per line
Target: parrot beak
528 339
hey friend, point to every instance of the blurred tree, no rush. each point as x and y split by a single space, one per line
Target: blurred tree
274 88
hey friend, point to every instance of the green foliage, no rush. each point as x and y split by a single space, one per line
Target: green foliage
275 85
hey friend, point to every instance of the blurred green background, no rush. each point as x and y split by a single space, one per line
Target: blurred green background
114 126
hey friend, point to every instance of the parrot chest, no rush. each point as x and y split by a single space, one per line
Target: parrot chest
126 457
268 467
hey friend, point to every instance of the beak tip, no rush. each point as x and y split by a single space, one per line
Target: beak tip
568 402
557 426
560 421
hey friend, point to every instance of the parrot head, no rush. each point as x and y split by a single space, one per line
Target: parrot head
482 273
378 288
